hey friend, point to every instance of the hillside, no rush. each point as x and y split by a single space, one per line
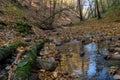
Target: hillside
18 17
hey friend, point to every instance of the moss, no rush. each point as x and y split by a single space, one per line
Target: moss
23 27
17 11
8 50
23 72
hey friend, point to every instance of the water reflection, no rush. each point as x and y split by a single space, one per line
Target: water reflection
97 65
91 49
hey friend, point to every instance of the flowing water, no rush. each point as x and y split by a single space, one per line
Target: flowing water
91 66
91 50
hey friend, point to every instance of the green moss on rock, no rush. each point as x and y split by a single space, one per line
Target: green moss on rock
22 72
8 50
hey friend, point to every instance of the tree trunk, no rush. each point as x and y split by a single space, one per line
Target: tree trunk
53 12
80 10
61 4
50 8
9 50
95 11
98 11
24 67
102 6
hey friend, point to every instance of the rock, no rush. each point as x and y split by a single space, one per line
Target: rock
57 42
116 77
9 35
76 73
115 57
46 65
105 52
4 76
82 53
33 76
27 39
55 74
117 49
8 67
51 59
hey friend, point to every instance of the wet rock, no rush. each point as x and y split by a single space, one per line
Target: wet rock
105 52
33 76
116 77
76 73
58 43
117 49
82 53
111 50
27 39
115 56
8 67
51 59
4 76
46 65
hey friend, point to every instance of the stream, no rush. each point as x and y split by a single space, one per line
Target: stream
78 61
91 66
95 61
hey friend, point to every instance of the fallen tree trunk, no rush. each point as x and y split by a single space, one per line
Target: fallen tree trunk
24 67
9 50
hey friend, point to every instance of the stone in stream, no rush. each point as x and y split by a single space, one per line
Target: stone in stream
8 67
57 42
105 52
46 65
27 39
4 76
77 73
82 53
116 77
